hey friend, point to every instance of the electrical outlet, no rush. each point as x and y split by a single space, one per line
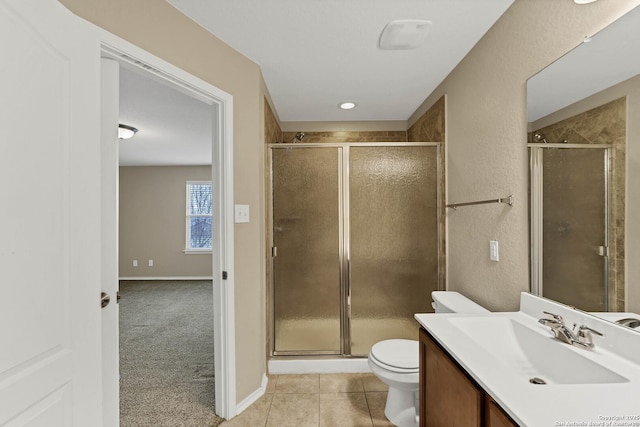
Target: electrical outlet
135 262
150 263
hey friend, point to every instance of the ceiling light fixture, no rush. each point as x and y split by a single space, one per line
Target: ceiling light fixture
347 105
404 34
126 131
584 1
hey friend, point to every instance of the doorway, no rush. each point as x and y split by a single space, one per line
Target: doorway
222 259
355 244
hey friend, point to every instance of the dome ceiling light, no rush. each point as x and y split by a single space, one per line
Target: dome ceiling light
126 131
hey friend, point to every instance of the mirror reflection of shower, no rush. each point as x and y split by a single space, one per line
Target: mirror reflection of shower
539 138
298 138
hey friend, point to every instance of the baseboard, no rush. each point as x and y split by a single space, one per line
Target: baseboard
169 278
251 399
318 366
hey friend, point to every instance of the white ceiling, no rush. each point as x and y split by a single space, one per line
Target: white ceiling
173 128
315 53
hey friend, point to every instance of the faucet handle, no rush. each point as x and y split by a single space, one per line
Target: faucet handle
557 317
584 337
584 329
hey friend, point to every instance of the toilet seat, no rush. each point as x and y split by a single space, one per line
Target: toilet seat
397 355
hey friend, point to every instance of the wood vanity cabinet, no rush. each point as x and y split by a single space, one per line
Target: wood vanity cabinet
449 397
494 416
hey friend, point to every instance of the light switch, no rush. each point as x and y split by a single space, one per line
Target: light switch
493 250
242 214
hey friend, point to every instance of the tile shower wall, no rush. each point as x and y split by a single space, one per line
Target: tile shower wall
605 124
349 136
431 127
272 131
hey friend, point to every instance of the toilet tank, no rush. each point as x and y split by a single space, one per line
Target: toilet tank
453 302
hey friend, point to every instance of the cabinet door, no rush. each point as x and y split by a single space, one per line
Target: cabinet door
450 398
495 416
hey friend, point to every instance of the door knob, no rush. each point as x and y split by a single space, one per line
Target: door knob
104 299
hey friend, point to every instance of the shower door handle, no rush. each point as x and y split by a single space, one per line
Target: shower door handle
603 251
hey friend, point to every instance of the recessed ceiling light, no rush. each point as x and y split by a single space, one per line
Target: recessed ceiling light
347 105
404 34
584 1
126 131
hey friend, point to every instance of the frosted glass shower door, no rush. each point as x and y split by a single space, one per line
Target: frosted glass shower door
393 241
306 233
574 227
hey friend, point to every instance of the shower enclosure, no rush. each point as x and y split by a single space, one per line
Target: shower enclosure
354 244
569 223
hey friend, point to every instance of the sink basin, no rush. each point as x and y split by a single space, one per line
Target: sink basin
532 355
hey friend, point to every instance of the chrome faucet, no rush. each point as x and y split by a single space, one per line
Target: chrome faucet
582 338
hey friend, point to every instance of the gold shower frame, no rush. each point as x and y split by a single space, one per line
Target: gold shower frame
343 183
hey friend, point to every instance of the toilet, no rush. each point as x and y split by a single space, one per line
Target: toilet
396 362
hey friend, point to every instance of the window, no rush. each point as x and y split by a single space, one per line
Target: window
199 219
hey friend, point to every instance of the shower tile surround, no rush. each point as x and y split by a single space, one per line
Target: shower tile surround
605 124
429 127
318 400
348 136
272 131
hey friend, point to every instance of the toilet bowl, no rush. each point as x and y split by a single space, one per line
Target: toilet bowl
396 362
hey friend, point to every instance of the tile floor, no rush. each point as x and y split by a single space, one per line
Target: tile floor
325 400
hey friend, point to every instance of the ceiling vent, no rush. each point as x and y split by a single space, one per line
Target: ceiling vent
404 34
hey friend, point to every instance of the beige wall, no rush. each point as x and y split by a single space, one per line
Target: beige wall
631 90
152 222
486 134
162 30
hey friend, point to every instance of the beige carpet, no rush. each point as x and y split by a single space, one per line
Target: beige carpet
166 354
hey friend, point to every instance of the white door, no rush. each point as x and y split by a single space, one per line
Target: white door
50 318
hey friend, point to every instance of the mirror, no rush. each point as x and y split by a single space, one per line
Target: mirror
585 100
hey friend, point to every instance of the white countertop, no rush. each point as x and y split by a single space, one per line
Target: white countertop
534 405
